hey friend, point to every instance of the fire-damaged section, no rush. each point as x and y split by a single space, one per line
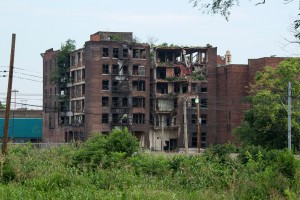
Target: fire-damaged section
179 74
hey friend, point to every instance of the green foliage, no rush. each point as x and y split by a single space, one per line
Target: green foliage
2 106
196 76
100 150
120 140
265 124
33 173
63 63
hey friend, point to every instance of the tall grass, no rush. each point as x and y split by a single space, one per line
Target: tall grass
60 173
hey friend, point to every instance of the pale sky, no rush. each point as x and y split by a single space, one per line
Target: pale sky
251 32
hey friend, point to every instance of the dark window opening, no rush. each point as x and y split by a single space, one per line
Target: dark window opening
162 88
184 88
138 85
203 120
139 118
115 118
105 52
138 102
176 88
105 85
105 101
125 53
115 85
83 74
125 70
136 53
203 103
194 87
115 69
105 69
125 102
194 139
203 89
194 119
104 118
168 121
177 71
115 102
135 70
161 73
115 52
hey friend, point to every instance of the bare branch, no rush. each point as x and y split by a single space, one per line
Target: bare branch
262 2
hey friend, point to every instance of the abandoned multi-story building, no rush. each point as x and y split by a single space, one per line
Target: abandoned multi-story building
108 84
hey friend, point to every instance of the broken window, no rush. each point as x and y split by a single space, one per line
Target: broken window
105 69
176 87
105 101
83 74
115 102
160 73
194 119
135 69
115 85
142 53
115 118
177 71
203 103
162 88
125 53
204 119
138 102
105 52
105 85
194 140
194 87
125 70
72 60
83 89
105 118
203 58
136 53
139 118
203 88
138 85
139 53
168 121
184 88
125 102
115 52
115 69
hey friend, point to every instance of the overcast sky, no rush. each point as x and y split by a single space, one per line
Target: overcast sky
251 32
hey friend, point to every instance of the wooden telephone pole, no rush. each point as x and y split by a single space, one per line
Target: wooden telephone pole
8 95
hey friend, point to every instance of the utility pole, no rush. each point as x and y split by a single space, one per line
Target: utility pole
199 124
289 118
15 91
8 97
185 126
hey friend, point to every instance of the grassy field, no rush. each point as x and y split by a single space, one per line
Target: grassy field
80 171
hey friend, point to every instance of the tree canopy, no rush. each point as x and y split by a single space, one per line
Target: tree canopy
265 123
2 106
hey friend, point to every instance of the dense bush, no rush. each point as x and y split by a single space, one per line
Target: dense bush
101 150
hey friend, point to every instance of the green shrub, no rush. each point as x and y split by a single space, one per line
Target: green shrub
120 140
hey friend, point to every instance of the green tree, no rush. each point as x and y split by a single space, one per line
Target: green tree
63 63
265 123
2 106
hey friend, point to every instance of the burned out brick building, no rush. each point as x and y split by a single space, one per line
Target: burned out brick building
115 82
108 85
